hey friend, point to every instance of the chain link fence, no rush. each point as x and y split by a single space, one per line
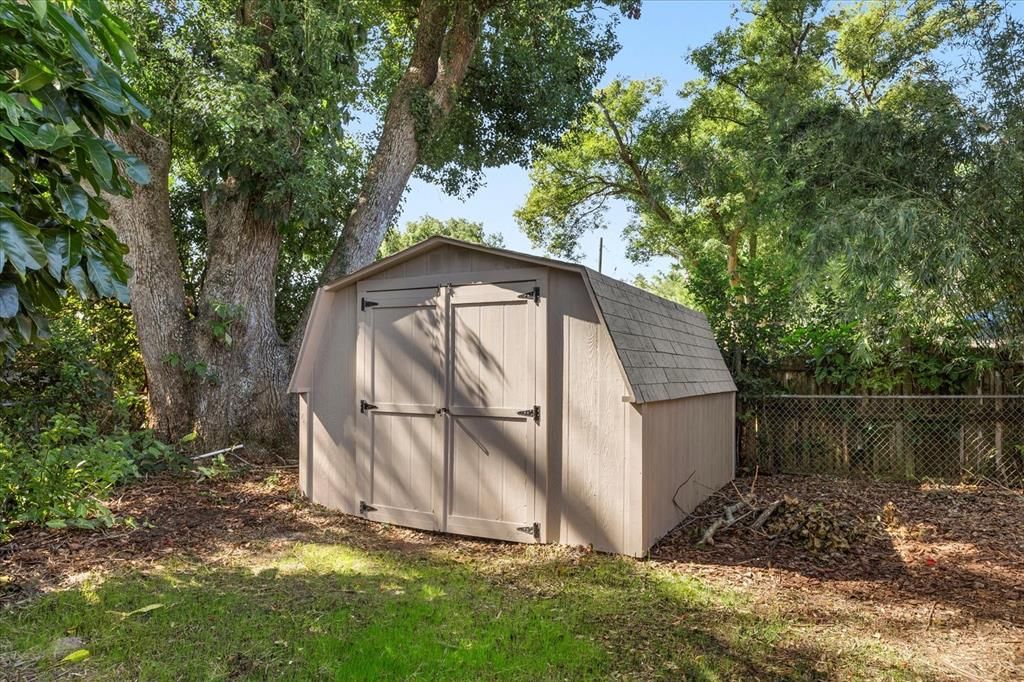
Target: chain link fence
938 438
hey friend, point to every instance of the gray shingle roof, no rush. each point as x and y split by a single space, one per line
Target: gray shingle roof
667 350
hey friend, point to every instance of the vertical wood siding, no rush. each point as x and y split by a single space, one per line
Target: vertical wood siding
595 438
448 259
305 451
333 408
683 437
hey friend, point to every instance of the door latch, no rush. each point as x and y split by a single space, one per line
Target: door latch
533 530
365 407
532 412
442 410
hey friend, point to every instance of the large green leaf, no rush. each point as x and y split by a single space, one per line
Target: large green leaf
110 101
56 253
39 7
103 277
80 281
74 201
10 107
20 241
99 157
36 76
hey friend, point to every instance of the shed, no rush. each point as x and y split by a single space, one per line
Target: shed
467 389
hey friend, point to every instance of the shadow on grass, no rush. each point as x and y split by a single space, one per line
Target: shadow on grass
324 611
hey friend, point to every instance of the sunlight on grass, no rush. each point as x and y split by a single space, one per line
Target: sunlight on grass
319 611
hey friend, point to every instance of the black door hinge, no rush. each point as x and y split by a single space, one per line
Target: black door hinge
364 304
532 412
365 407
535 295
533 530
363 507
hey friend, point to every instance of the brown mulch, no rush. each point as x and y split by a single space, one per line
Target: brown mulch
168 516
939 574
941 568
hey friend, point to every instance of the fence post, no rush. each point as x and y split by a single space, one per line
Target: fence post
1000 466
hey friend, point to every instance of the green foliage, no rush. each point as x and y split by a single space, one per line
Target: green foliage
417 230
60 92
90 367
216 467
826 174
70 420
533 71
224 314
59 478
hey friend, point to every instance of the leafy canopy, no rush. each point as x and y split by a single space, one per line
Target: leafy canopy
418 230
60 93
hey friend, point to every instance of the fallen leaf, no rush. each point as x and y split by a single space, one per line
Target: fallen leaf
76 656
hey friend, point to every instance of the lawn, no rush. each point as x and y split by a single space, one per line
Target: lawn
239 579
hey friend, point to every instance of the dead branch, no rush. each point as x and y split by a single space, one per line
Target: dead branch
676 493
765 514
727 520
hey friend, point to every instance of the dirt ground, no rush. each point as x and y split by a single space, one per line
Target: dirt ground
939 574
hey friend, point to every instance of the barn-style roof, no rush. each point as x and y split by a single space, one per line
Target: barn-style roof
665 350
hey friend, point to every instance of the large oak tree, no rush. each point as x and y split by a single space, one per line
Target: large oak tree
259 189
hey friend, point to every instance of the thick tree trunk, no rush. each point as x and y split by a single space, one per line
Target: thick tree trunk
226 386
244 397
235 387
446 37
143 223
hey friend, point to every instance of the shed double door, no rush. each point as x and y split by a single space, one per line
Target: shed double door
449 410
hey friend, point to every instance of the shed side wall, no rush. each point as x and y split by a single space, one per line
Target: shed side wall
596 424
332 408
683 437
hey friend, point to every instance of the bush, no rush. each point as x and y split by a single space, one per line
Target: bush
90 366
61 477
71 417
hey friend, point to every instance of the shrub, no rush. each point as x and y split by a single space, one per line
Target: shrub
90 367
61 477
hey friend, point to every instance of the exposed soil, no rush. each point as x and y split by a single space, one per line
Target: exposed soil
939 573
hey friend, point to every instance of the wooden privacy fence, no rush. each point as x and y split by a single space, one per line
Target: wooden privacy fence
943 438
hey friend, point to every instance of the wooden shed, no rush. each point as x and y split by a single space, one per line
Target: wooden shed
473 390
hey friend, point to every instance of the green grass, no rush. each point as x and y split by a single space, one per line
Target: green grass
328 611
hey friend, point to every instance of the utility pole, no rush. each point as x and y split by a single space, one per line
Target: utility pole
600 253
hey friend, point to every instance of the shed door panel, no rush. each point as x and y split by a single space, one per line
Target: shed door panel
403 381
493 378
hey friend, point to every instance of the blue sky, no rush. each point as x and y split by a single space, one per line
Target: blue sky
654 45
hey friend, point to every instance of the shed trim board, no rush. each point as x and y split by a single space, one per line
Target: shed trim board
460 388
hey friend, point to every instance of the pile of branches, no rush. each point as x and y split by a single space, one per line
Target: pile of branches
810 526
